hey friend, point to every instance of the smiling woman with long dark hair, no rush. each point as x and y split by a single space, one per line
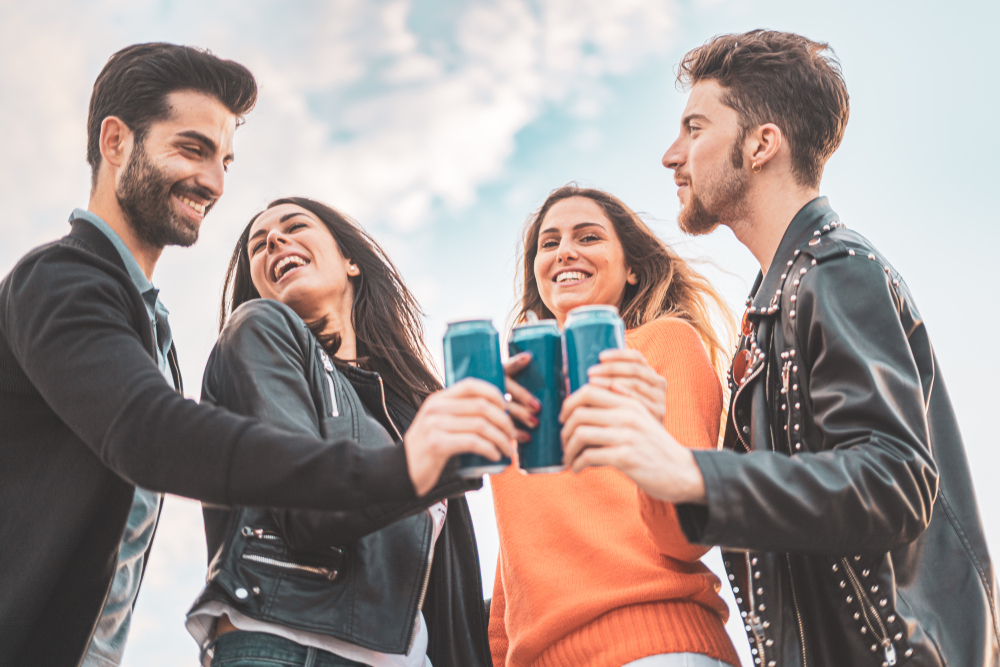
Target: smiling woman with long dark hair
319 334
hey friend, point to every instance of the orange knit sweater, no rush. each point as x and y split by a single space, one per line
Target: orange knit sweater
592 571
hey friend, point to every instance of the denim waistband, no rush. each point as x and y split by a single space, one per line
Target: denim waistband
245 647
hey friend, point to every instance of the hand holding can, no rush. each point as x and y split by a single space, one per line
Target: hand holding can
472 350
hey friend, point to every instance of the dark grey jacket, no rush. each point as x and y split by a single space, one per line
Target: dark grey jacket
85 415
361 576
843 500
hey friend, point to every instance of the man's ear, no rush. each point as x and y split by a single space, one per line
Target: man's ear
763 144
115 142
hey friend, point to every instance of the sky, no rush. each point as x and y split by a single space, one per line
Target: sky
441 125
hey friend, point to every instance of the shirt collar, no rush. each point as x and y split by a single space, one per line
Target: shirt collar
139 278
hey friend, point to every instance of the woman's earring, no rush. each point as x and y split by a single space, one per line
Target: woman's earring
352 269
756 168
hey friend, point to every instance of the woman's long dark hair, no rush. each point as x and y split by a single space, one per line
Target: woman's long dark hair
386 317
667 285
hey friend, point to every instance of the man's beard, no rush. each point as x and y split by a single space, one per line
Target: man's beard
144 196
724 201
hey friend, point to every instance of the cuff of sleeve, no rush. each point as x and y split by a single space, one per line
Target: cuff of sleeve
702 524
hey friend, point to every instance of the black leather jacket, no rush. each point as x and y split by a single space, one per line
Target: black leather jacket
361 576
842 498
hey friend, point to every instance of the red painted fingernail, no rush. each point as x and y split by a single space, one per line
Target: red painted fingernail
536 404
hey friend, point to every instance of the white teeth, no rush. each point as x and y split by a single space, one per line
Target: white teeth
570 276
198 207
279 268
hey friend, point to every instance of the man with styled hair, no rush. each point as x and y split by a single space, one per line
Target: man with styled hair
841 496
93 423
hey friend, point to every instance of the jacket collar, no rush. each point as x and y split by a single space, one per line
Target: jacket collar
84 232
806 224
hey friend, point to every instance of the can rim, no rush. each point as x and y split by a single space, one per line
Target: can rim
537 323
593 308
488 320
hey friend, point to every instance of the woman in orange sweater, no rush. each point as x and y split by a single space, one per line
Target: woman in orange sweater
592 571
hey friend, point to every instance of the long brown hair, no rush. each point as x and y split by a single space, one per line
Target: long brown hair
385 315
667 285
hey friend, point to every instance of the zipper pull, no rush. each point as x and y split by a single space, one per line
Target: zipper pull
890 652
334 411
784 378
327 364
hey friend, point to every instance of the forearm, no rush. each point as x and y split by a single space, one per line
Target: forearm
311 530
858 499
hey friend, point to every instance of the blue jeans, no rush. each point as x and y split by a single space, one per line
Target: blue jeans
259 649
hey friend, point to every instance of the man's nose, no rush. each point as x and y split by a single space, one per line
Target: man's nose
213 178
674 157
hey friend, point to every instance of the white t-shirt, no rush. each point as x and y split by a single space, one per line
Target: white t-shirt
201 621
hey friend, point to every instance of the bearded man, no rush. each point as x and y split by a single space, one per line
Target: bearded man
94 425
841 496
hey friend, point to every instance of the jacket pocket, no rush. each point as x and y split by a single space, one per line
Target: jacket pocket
267 548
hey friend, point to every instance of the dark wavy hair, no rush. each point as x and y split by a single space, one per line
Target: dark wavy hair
385 315
136 80
667 285
781 78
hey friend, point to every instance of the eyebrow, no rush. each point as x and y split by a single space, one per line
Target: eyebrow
580 225
205 141
285 218
694 116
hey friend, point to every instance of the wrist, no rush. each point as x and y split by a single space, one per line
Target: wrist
691 486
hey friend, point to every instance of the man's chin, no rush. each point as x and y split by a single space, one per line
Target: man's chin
696 222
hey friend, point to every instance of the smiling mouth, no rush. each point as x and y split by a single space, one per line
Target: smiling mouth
200 209
564 277
286 265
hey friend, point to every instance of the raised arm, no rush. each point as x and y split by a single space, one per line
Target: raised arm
870 480
73 331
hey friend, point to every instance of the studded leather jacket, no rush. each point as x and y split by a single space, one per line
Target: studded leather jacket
362 575
842 496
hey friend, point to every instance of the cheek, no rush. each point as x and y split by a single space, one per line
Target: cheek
257 268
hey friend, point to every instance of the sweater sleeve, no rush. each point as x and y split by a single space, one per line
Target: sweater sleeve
694 408
499 640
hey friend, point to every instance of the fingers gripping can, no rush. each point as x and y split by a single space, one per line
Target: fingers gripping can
544 379
472 350
589 330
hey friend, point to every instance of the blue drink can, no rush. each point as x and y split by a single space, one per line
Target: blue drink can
544 379
589 330
472 350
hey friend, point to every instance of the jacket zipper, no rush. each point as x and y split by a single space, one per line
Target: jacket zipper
739 433
284 564
328 365
381 389
753 620
798 614
430 552
785 368
880 633
269 536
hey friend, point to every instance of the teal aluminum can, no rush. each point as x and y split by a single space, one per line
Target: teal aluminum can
544 379
589 330
472 350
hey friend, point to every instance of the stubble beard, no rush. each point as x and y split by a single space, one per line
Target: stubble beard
144 196
724 201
